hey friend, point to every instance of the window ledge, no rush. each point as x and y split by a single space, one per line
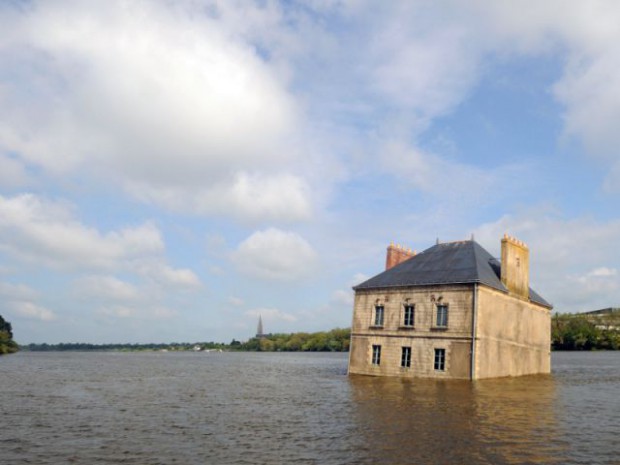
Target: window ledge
407 328
439 328
375 327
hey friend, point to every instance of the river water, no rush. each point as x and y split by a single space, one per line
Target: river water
298 408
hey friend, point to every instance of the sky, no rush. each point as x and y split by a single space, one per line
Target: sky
169 171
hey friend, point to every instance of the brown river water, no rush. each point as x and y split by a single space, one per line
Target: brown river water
298 408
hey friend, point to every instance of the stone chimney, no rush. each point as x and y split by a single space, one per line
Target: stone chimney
516 267
396 255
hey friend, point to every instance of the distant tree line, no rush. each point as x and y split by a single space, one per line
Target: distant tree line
81 346
7 344
585 332
568 332
336 340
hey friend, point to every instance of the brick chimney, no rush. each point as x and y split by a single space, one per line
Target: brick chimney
516 267
396 255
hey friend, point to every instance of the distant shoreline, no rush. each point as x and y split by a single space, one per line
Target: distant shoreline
335 340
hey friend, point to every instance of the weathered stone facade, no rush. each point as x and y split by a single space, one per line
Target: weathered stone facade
471 328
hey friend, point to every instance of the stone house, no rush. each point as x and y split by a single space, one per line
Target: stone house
451 312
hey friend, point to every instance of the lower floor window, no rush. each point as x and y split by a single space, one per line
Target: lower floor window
440 359
376 355
405 358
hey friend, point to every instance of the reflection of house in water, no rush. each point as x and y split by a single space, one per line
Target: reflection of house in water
452 311
458 422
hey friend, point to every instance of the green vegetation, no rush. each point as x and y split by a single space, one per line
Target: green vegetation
7 344
568 332
81 346
585 332
336 340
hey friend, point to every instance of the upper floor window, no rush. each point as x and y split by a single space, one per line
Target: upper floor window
376 354
379 311
442 316
405 358
409 315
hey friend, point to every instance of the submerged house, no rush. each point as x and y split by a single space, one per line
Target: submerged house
452 312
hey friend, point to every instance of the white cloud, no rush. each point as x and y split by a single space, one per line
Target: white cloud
139 314
216 270
431 173
427 68
180 278
19 299
117 311
10 291
12 172
426 59
154 84
32 311
41 231
106 287
274 254
173 101
342 297
560 253
595 289
270 314
164 313
452 184
198 109
603 272
247 197
589 87
236 301
359 278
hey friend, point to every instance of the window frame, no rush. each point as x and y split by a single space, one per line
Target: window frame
441 317
376 321
405 357
411 323
439 362
376 355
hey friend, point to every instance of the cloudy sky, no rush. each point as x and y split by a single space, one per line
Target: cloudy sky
171 170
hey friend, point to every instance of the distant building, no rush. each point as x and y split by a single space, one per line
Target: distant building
604 311
451 311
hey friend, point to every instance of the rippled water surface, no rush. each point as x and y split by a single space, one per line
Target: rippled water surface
265 408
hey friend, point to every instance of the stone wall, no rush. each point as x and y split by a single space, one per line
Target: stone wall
423 338
513 336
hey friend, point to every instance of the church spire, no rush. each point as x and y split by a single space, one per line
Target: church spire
259 329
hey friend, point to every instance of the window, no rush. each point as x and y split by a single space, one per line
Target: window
379 310
409 315
405 358
376 355
440 359
442 316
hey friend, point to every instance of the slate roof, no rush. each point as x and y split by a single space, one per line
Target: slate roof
461 262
